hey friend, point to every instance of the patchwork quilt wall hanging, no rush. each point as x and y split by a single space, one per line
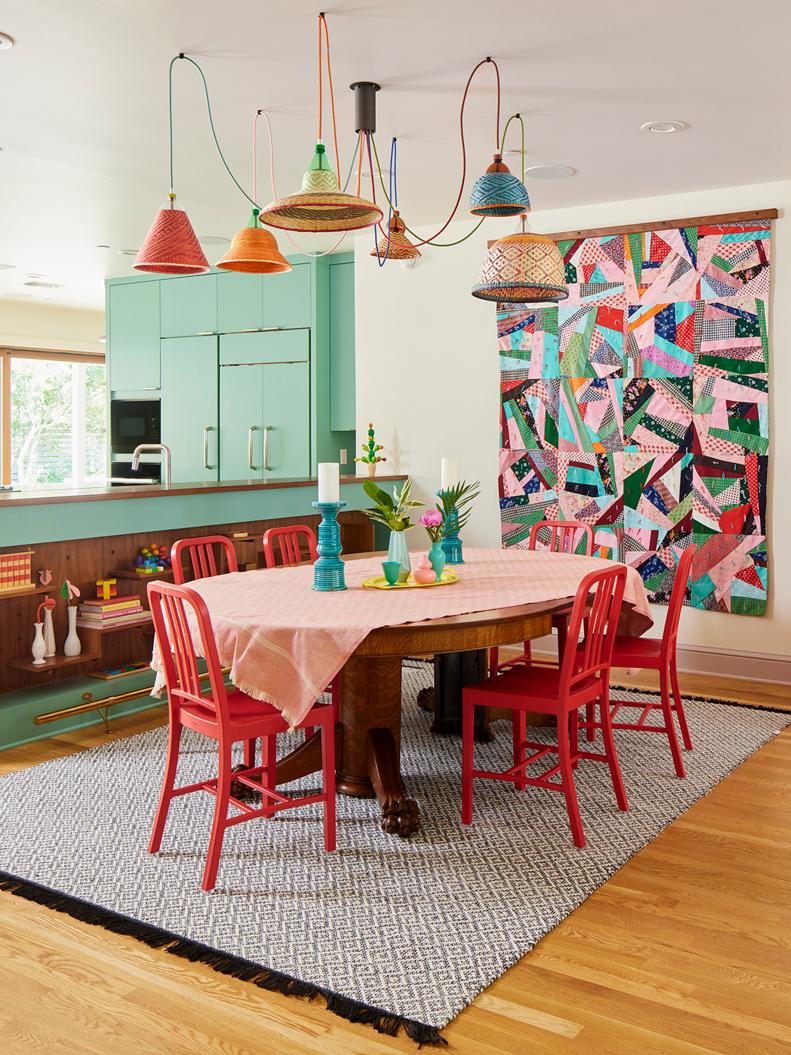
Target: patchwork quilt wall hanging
640 406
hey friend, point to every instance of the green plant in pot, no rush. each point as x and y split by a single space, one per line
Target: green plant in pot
393 512
455 506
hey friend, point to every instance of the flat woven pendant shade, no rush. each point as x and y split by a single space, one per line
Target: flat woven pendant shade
400 246
498 192
171 246
522 269
254 250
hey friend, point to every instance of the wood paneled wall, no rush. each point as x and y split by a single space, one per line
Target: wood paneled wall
83 561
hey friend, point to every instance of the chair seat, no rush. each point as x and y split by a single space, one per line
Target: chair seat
246 716
637 652
529 687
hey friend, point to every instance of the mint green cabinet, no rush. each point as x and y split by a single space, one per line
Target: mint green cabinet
133 336
188 306
190 407
264 421
270 346
240 303
342 363
287 298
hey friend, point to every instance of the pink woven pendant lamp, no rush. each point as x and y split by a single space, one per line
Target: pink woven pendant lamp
171 246
254 251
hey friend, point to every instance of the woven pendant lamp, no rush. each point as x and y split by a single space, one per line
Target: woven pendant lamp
321 205
254 251
498 192
522 268
171 246
400 246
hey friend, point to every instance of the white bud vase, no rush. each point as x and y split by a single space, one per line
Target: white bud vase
72 646
49 634
39 647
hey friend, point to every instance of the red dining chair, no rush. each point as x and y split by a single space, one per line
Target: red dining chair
658 654
203 559
582 678
227 717
288 541
283 547
563 537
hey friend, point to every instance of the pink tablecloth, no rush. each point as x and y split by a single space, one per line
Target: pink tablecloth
285 642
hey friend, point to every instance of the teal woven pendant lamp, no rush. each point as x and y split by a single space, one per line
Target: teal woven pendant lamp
498 192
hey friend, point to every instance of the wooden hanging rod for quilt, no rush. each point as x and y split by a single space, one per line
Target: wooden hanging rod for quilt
661 225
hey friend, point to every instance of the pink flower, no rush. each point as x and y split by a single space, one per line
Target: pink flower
431 518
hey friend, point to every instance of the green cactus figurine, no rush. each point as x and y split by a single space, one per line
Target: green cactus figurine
370 455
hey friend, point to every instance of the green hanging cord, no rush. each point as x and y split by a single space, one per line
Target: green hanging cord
181 55
439 245
515 117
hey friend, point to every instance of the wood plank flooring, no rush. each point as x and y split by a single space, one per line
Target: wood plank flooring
685 951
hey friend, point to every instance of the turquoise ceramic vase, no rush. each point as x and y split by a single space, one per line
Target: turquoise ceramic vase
397 550
436 556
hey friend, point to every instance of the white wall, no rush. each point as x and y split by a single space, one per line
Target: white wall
428 377
26 324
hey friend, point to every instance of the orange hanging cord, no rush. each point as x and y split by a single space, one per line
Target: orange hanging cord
324 44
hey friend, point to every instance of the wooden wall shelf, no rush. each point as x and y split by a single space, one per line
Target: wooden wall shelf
132 624
54 663
28 591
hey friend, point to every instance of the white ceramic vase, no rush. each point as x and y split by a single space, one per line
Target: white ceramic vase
72 646
49 633
39 647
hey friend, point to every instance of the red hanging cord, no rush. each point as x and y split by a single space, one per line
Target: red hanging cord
323 21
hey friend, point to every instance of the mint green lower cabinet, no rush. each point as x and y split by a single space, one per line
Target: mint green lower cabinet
188 306
286 420
189 407
241 425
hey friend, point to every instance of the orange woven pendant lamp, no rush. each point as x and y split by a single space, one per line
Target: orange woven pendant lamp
399 246
254 251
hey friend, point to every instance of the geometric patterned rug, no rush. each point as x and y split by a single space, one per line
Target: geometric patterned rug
397 933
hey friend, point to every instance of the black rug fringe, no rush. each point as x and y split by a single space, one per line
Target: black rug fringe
224 963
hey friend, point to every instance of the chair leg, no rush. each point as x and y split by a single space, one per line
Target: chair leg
590 716
220 816
519 732
528 652
494 660
328 782
467 748
679 706
574 737
168 783
269 762
249 754
609 750
670 725
335 691
569 787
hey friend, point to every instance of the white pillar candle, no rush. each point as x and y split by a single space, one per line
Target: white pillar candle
449 474
329 482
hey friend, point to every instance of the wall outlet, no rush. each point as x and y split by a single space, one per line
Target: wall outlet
344 456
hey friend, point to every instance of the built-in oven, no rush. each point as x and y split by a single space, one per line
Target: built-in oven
132 422
123 475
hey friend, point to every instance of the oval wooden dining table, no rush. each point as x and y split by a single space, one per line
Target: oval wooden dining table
368 735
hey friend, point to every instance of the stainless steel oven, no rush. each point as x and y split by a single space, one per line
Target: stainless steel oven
133 421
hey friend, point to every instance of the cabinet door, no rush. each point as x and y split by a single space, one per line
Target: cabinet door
286 419
189 407
239 302
189 306
241 414
342 365
133 336
287 298
275 346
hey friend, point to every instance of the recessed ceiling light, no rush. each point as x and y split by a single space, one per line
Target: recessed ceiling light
102 247
550 171
213 239
44 285
34 274
128 252
7 267
6 42
663 128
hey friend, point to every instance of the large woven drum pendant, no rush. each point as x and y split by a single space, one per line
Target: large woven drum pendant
522 269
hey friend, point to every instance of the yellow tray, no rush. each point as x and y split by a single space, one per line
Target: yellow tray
379 582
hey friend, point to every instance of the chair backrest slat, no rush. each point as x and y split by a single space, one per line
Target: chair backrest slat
202 553
597 604
180 619
284 545
677 597
564 536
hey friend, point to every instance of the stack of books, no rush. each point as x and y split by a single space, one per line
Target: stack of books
97 614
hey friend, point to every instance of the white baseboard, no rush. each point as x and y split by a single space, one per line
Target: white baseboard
727 663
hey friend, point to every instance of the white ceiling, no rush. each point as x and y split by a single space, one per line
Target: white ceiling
83 108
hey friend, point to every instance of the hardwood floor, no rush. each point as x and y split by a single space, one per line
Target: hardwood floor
685 951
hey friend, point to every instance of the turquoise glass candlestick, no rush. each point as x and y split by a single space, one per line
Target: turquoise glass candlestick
328 570
451 543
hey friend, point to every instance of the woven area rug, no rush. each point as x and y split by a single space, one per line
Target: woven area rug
395 933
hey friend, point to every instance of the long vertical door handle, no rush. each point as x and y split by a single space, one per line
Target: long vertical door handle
250 434
206 431
267 429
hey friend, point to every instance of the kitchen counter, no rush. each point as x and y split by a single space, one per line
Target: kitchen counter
28 518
